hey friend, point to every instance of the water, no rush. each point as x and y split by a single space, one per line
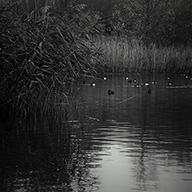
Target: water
137 137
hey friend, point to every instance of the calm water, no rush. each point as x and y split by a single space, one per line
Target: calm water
137 137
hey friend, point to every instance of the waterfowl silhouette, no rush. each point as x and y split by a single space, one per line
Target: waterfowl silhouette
104 78
137 85
154 82
130 81
110 92
126 78
169 83
92 84
146 84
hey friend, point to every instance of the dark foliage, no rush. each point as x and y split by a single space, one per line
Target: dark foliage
43 50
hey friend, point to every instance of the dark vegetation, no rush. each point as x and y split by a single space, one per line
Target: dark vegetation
43 49
145 35
47 44
163 22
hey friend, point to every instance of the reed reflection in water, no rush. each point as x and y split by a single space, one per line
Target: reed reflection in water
144 139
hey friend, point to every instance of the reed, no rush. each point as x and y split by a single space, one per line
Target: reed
121 54
43 48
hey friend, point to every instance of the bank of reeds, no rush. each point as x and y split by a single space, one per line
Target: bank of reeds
41 52
123 55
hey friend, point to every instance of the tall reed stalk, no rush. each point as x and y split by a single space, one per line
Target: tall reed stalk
121 54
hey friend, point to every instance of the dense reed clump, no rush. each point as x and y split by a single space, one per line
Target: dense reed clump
121 54
42 51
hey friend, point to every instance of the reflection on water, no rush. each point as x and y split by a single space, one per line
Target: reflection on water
138 138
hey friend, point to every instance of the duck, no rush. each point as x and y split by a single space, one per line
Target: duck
137 85
130 81
146 84
154 82
169 83
104 78
110 92
92 84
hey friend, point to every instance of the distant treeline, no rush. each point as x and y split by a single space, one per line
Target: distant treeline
162 22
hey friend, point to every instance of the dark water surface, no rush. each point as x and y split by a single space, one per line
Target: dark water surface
135 137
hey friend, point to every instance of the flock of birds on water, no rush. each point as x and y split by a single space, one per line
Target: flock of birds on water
137 85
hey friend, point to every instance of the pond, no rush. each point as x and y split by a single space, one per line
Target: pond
134 134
